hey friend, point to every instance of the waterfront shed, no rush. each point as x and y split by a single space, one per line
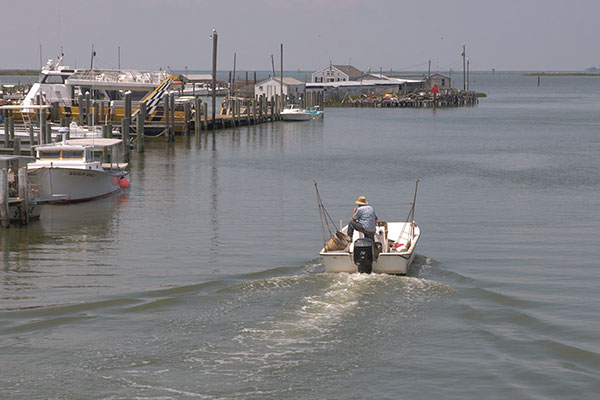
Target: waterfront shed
442 81
292 88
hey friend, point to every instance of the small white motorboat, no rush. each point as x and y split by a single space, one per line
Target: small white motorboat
294 113
77 170
392 252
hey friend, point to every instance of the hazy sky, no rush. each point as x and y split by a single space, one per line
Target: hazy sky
403 35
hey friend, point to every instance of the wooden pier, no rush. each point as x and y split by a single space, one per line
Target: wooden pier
446 98
16 205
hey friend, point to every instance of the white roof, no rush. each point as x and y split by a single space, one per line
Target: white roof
96 142
23 107
287 80
70 144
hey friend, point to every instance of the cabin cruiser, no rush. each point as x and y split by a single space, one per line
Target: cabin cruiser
294 113
78 170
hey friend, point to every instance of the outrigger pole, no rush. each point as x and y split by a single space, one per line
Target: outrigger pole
324 216
411 213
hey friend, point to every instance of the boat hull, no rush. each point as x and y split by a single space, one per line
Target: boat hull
295 116
63 185
387 263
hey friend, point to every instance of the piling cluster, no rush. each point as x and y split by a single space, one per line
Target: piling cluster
446 98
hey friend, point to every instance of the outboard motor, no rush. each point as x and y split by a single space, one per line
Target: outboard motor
364 255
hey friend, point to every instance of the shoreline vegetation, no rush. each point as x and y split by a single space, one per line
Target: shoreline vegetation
19 72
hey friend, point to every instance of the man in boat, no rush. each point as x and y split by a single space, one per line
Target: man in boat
364 219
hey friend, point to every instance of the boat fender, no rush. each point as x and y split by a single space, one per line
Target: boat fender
124 183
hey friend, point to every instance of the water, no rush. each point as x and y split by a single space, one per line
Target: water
203 281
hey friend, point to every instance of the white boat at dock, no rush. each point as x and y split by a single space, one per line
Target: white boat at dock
294 113
78 170
392 252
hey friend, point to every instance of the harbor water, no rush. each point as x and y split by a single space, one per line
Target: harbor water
203 279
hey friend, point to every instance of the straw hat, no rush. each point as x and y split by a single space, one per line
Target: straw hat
362 201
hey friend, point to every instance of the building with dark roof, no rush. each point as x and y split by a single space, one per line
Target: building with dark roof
336 73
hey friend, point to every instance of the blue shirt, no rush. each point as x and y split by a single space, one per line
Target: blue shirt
365 215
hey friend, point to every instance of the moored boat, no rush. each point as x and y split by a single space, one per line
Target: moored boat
294 113
78 170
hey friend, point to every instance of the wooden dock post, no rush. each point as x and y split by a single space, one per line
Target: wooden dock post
186 118
80 108
253 110
128 106
197 115
172 110
141 118
6 129
87 108
102 113
54 112
205 115
48 129
166 115
11 128
214 78
125 138
248 111
4 220
23 190
31 137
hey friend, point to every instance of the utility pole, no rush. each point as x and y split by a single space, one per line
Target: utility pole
464 68
214 77
233 78
281 83
429 70
468 64
119 57
92 60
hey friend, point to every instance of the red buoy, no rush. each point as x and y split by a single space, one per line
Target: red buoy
124 183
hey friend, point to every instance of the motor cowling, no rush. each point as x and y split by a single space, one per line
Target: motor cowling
364 255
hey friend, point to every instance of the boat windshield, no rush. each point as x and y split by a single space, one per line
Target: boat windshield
44 78
72 155
49 155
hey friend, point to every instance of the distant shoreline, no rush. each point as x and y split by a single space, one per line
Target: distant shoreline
562 74
19 72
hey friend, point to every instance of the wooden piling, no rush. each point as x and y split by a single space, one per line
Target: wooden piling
125 138
197 115
172 110
128 106
11 128
141 118
4 220
31 137
102 113
167 114
6 130
48 129
205 115
80 108
23 190
87 108
186 118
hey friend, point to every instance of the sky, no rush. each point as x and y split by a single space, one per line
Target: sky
507 35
